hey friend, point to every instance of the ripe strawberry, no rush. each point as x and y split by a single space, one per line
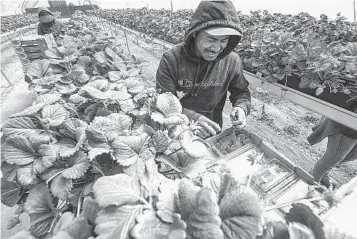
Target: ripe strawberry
346 91
313 85
319 90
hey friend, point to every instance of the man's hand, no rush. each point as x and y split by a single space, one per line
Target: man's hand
238 117
206 127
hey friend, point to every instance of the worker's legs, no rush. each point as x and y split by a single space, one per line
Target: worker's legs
338 147
352 155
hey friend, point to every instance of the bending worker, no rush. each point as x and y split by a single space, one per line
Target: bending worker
204 67
48 24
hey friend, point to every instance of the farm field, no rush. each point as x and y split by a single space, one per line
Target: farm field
281 123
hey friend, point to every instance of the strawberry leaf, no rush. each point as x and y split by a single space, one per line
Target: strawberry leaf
78 76
127 105
90 210
97 139
187 194
114 57
61 186
167 204
151 178
11 193
241 215
84 61
79 165
204 220
9 171
100 57
150 226
38 68
65 220
40 208
168 104
70 128
23 235
48 98
79 228
26 175
25 127
13 222
53 53
297 230
221 184
115 76
134 86
46 81
66 147
127 150
116 222
18 150
351 48
117 190
94 152
190 167
57 114
48 156
31 110
93 93
303 214
65 88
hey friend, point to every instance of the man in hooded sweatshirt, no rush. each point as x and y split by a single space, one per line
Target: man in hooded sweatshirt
48 24
204 67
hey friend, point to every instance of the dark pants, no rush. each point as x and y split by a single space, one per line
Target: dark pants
340 149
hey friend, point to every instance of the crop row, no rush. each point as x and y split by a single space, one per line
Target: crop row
13 22
322 52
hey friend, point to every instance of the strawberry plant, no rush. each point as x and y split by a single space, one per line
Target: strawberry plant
13 22
318 51
93 117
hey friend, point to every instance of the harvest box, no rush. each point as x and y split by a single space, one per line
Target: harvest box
275 178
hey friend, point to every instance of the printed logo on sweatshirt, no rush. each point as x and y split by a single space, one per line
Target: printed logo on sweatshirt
189 84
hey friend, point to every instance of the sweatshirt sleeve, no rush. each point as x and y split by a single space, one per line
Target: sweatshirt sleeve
238 87
166 82
165 76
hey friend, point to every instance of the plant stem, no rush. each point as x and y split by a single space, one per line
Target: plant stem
273 207
79 205
249 181
168 171
50 179
143 201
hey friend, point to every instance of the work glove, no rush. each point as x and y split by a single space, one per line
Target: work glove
238 117
206 127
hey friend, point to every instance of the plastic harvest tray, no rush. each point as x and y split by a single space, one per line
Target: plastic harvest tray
248 144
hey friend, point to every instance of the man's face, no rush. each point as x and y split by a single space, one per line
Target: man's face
209 46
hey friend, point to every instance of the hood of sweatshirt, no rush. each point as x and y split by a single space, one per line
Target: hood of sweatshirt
212 14
47 18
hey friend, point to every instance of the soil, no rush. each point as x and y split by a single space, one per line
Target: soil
283 124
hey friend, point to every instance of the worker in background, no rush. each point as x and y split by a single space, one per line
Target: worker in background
204 68
48 24
341 147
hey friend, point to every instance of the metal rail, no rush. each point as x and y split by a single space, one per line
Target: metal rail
331 111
